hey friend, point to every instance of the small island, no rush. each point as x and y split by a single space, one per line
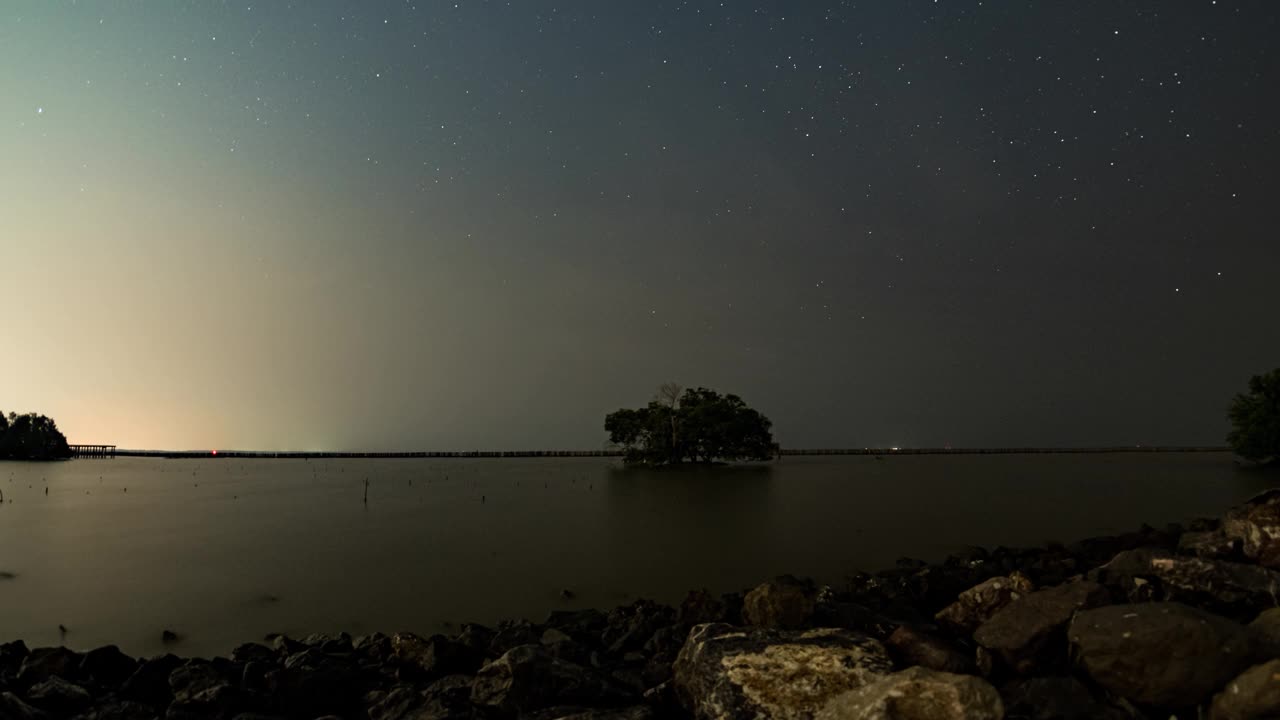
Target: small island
31 437
696 425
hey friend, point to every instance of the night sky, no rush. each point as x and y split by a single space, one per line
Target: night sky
461 225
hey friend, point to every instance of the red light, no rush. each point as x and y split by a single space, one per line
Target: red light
215 452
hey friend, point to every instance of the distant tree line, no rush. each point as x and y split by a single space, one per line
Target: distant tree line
1255 419
696 425
31 437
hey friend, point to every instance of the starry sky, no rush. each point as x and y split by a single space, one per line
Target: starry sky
479 224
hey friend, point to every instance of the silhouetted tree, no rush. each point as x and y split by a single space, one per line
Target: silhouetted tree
31 437
1255 419
699 425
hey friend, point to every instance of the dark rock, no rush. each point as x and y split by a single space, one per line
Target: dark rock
1254 695
150 682
527 678
631 678
785 602
726 671
402 703
107 666
316 683
325 642
13 708
638 712
1264 633
732 602
1167 655
584 626
1055 698
1027 633
977 604
1234 589
853 616
1213 544
43 663
918 694
115 709
254 652
434 657
59 697
1256 526
11 657
374 645
169 637
514 634
286 645
448 698
909 646
657 670
560 645
630 626
200 691
699 607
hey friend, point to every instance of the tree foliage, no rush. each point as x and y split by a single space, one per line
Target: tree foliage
698 425
31 437
1255 419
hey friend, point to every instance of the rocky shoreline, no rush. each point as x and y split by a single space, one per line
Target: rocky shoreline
1177 622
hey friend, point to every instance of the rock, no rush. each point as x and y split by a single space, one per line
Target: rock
200 691
1164 654
194 677
908 646
699 607
168 637
1213 544
258 676
113 709
1026 630
1264 633
785 602
918 694
1254 695
477 637
638 712
562 646
107 666
1056 698
514 634
448 698
286 645
434 657
977 604
43 663
1256 525
1230 588
630 627
254 652
13 708
527 678
373 645
584 626
59 697
726 671
150 682
11 657
315 683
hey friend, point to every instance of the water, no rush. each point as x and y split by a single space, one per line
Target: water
225 551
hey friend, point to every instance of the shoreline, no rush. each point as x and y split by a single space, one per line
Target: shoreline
1012 628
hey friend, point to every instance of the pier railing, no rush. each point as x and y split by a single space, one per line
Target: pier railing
92 451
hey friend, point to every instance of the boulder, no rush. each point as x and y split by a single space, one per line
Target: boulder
699 607
584 626
1254 695
909 646
977 604
115 709
1028 629
528 678
1256 526
513 634
1264 633
1235 589
374 646
314 683
13 708
785 602
43 663
59 697
918 694
1163 654
254 652
629 627
150 682
107 666
328 643
1056 698
476 637
11 657
560 645
726 671
200 691
638 712
435 656
1213 544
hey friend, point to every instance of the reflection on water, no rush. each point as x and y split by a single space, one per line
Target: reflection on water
224 551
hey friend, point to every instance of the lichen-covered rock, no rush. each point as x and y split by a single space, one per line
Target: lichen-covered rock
1264 633
1256 525
1026 630
909 646
918 694
1213 544
728 672
1163 654
59 697
977 604
1232 588
527 678
785 602
1254 695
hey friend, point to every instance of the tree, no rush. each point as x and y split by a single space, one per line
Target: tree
698 425
32 437
1255 419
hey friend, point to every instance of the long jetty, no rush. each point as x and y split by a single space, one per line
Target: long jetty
446 454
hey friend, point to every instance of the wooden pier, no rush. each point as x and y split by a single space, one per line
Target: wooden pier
92 451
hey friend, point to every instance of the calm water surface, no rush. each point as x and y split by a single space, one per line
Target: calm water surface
225 551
